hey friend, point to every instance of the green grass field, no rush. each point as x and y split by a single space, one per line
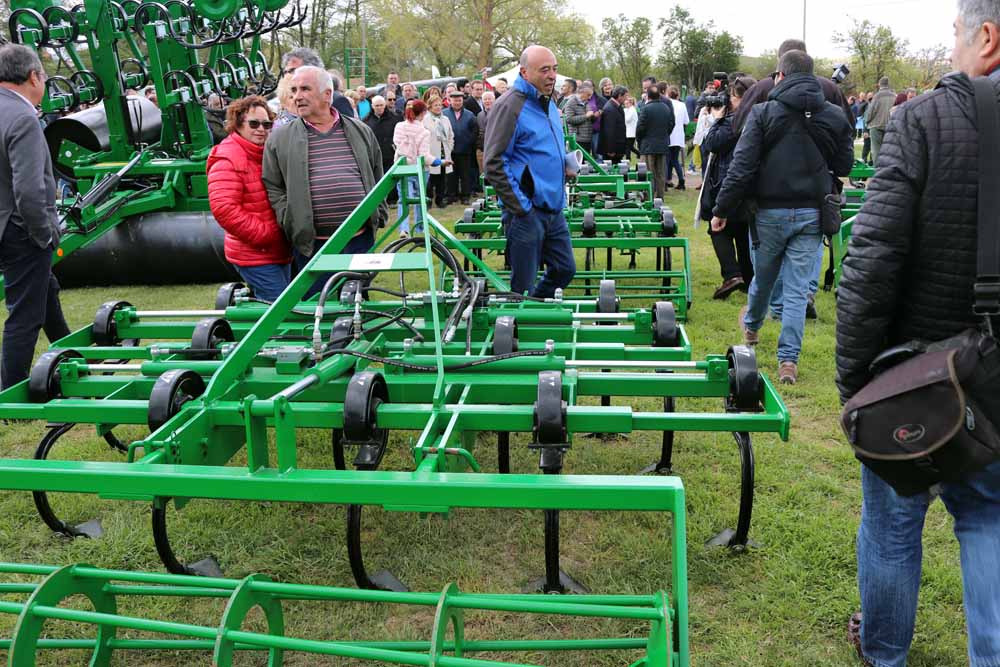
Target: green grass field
782 604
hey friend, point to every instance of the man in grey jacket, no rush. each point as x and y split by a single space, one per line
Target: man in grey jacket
579 117
317 170
29 230
877 115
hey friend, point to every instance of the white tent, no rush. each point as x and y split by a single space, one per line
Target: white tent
512 73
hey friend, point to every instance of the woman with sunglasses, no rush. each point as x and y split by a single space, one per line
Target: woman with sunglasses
255 245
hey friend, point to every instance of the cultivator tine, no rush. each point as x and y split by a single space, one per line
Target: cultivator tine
206 567
91 528
383 580
665 465
738 539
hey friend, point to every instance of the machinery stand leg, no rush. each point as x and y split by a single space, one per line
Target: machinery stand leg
738 540
503 452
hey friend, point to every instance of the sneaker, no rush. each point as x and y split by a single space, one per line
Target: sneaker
728 287
788 372
811 307
749 337
680 186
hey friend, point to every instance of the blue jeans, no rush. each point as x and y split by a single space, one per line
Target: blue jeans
358 245
267 281
594 140
889 555
789 239
412 192
776 293
32 299
534 239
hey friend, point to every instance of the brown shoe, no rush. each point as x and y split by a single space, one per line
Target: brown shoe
788 372
728 287
854 637
749 337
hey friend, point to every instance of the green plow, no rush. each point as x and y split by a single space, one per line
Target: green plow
658 624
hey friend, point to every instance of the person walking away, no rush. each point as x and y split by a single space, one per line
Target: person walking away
526 162
681 119
631 123
656 123
910 274
254 244
790 150
465 130
413 140
29 229
317 170
612 145
878 114
442 141
731 243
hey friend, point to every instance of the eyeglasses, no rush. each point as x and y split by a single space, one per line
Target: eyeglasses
266 124
290 71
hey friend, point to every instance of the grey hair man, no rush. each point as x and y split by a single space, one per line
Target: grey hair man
29 230
298 57
318 168
895 288
877 115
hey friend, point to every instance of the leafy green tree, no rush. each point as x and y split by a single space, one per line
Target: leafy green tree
629 42
875 52
692 51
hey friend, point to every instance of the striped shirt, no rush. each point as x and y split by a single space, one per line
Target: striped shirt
334 179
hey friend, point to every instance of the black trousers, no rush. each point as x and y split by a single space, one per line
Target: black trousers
437 188
866 149
462 176
32 296
732 248
674 164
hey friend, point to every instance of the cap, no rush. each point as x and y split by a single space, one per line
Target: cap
456 93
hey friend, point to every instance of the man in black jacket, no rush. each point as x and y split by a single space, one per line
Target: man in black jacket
909 274
656 122
789 148
613 140
383 122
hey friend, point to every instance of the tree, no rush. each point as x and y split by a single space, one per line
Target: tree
692 52
875 51
629 43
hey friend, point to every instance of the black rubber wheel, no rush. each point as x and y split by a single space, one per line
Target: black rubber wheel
641 171
668 223
589 224
469 215
665 331
43 381
226 295
505 335
658 203
550 410
172 390
365 393
623 168
607 302
208 334
745 386
105 330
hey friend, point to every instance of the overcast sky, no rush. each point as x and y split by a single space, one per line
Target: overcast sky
763 24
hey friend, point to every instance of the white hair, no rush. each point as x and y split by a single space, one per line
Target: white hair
490 93
378 99
975 13
324 81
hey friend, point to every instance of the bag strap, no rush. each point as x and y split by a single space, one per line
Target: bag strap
987 288
806 117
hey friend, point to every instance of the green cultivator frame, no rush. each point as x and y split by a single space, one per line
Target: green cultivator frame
127 157
663 642
447 357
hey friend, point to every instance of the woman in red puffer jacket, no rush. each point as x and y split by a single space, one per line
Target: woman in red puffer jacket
255 244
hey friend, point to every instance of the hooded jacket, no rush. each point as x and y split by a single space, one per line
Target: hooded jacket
911 263
777 161
524 151
240 205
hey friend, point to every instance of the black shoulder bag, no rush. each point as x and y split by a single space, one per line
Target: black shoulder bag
929 415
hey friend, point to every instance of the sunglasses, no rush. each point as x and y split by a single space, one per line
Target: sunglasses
290 71
266 124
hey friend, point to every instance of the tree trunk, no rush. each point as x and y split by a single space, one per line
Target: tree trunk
485 58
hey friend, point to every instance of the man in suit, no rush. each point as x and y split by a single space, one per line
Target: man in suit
613 140
29 230
474 102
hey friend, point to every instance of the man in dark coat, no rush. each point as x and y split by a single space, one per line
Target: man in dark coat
613 140
29 230
382 121
909 274
656 122
784 160
466 130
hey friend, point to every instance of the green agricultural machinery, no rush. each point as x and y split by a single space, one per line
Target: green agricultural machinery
445 359
126 159
657 624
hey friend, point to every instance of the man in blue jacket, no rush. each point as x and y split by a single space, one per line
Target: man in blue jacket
463 124
525 160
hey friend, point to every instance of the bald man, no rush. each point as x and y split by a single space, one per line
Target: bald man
525 160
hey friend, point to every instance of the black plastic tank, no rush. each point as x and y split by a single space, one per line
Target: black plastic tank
165 248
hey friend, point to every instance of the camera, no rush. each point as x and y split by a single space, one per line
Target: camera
840 73
717 100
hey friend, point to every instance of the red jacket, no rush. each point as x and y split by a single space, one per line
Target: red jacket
239 203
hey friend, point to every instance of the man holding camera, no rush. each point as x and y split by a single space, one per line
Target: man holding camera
910 274
784 160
